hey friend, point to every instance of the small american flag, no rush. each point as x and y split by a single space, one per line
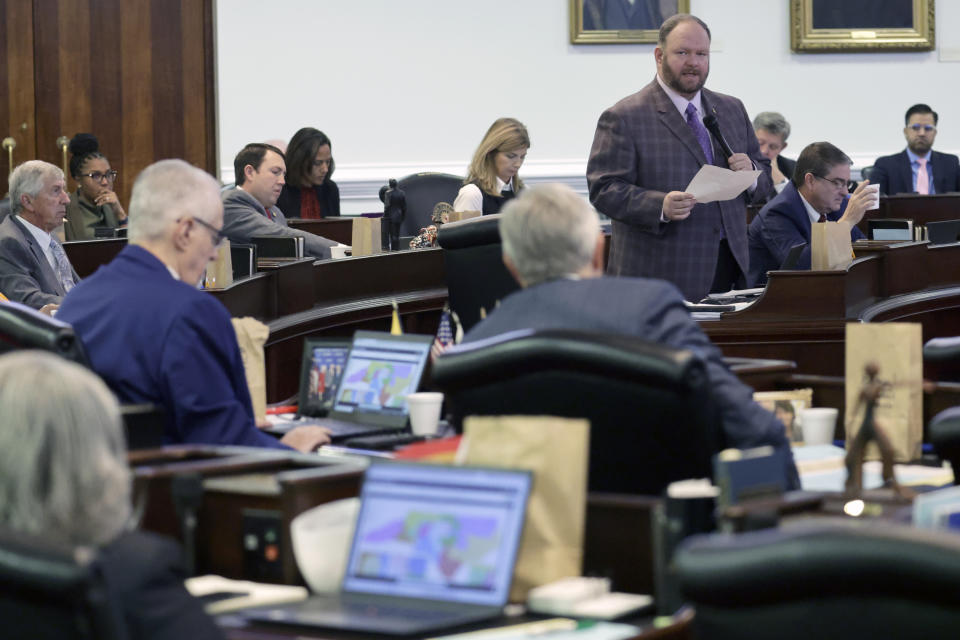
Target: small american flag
445 331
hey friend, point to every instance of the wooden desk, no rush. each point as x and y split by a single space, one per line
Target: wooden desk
87 255
338 229
245 491
801 315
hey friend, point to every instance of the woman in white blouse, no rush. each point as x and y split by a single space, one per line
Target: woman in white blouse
492 178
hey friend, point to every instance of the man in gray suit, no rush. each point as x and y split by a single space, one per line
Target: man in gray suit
250 208
553 247
34 268
646 150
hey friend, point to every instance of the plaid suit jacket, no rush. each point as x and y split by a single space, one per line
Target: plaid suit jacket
643 148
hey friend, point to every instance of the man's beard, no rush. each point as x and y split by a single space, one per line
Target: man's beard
675 81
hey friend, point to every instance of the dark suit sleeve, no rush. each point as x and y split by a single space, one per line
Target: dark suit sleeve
612 174
745 423
881 175
19 276
780 234
204 380
145 574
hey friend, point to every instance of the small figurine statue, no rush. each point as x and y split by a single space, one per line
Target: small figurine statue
870 430
394 211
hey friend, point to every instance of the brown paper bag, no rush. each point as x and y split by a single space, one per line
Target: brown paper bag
897 348
251 336
830 247
555 449
220 271
366 236
457 216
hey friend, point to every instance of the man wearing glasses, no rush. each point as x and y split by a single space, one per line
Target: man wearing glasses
816 193
153 336
918 168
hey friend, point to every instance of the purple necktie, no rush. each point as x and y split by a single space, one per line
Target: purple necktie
703 137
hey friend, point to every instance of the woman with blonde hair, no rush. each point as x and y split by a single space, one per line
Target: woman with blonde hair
492 178
64 481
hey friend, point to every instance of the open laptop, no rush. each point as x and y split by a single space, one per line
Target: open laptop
321 368
434 547
371 397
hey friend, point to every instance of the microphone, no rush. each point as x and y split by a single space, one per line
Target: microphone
710 122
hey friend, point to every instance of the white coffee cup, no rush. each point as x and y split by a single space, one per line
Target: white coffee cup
875 190
818 425
425 411
321 542
339 251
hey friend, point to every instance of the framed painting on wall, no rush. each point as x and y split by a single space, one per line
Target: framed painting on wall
830 26
620 21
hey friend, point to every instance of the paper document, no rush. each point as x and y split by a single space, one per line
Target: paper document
716 183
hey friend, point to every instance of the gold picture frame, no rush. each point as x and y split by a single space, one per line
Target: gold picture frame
587 21
832 26
794 401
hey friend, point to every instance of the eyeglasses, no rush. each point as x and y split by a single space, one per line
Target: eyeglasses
217 234
96 176
917 128
838 183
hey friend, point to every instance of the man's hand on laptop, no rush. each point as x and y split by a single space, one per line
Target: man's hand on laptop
306 438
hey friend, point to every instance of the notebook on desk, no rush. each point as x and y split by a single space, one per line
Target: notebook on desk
434 547
371 396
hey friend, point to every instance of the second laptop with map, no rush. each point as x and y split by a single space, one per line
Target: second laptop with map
371 397
434 547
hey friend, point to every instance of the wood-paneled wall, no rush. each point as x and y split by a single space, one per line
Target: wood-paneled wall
138 74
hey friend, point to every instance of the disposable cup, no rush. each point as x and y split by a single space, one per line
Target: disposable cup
818 425
425 411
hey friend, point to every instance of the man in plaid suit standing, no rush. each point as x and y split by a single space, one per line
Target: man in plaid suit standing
648 147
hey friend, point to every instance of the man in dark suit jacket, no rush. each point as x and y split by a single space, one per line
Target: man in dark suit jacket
899 173
250 208
646 151
553 247
153 336
818 193
34 268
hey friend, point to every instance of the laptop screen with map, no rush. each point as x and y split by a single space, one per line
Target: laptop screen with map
380 372
438 533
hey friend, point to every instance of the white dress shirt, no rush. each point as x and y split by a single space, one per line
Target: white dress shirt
470 197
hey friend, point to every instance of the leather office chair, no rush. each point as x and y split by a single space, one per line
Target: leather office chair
49 592
816 580
24 328
651 417
423 191
4 208
474 268
866 172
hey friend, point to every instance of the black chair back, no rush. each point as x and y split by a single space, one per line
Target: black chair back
651 417
818 580
423 191
52 592
476 276
24 328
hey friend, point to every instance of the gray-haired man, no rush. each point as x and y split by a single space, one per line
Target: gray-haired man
34 269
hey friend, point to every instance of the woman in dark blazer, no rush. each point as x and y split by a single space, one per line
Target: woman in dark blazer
94 203
309 191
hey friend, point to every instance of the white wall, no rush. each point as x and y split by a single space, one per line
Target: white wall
411 85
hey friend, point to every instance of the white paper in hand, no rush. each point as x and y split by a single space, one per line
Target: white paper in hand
716 183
